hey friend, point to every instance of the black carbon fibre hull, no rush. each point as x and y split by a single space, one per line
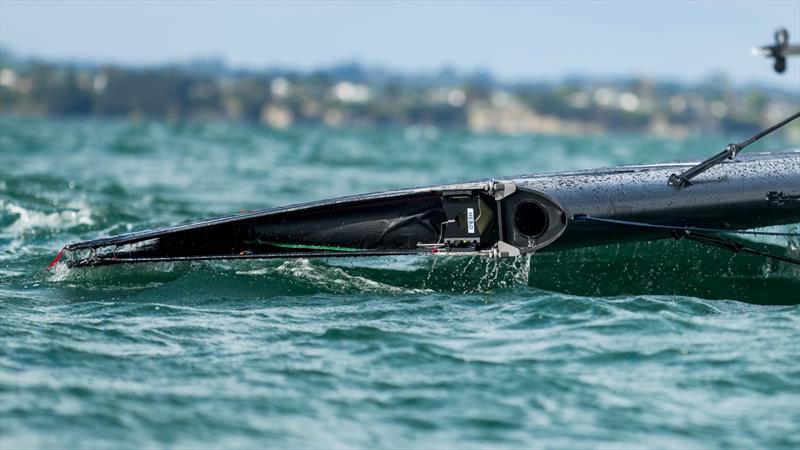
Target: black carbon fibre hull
734 196
500 217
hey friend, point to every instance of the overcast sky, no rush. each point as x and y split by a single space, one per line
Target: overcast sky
535 40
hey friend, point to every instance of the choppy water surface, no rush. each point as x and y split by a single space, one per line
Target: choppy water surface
612 347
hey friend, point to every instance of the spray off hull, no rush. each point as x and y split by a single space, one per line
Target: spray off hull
499 217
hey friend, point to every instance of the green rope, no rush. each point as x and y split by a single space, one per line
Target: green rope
307 246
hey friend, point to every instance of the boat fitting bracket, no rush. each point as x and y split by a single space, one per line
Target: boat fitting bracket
503 190
505 250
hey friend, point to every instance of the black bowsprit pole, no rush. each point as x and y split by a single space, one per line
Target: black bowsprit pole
730 152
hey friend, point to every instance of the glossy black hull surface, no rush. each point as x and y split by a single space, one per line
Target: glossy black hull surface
498 217
753 191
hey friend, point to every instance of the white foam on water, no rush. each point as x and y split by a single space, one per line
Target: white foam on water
59 272
123 277
395 263
330 278
77 213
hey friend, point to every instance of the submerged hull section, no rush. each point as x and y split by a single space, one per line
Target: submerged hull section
503 217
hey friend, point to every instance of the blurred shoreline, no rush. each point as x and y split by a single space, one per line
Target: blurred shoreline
354 95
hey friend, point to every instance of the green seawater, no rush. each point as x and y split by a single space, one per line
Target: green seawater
651 345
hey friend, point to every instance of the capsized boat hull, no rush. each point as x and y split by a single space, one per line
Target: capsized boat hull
498 217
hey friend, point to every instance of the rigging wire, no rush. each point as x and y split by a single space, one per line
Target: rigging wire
730 244
693 234
588 218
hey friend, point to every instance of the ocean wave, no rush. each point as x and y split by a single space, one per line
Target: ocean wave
21 220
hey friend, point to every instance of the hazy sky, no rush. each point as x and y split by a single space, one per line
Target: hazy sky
517 40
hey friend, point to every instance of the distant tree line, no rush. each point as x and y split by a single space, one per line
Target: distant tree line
355 96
